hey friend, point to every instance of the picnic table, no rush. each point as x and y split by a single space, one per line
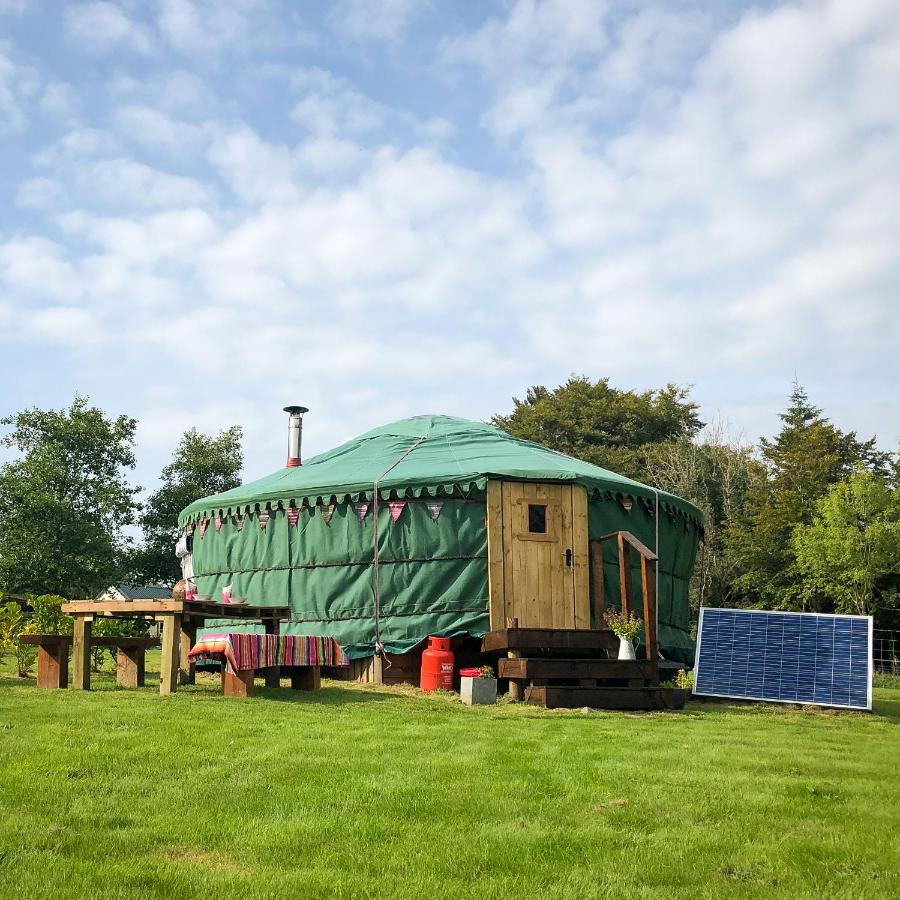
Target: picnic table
180 621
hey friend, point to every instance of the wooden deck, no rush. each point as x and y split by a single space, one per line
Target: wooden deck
571 668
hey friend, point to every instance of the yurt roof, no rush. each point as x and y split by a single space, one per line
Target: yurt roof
439 456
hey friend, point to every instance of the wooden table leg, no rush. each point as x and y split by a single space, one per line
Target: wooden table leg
81 653
130 667
240 685
187 672
171 651
53 664
306 678
273 673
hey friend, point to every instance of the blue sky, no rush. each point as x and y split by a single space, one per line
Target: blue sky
213 208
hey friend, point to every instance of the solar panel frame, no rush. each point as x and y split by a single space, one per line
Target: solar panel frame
762 669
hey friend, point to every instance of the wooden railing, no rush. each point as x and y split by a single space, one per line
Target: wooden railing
625 542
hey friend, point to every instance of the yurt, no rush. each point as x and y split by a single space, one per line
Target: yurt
437 526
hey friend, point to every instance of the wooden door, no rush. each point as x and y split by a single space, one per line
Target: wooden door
538 554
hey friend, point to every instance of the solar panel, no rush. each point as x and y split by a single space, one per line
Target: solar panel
785 657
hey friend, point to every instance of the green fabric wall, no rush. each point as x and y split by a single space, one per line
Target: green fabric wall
433 574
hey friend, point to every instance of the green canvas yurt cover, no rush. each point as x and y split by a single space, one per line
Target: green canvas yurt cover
316 554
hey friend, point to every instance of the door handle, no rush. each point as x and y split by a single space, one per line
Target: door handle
569 557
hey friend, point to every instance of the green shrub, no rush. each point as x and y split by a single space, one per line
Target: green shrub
13 624
48 616
12 621
26 654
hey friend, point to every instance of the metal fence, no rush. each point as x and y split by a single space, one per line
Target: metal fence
886 651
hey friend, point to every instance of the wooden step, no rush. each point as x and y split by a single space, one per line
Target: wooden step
555 667
541 640
559 697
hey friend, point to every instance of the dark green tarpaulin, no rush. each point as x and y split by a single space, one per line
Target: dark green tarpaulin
433 573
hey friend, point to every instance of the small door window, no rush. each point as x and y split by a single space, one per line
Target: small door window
537 518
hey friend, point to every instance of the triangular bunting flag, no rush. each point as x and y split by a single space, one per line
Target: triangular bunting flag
396 507
264 518
204 524
293 514
238 521
361 507
434 508
328 512
218 524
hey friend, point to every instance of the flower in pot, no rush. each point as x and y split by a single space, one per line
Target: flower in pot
478 686
624 626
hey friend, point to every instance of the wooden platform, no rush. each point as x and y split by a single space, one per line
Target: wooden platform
528 669
572 668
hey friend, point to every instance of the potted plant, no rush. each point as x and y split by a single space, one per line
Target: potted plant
624 627
478 686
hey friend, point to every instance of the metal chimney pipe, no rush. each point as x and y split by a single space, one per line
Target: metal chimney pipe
295 432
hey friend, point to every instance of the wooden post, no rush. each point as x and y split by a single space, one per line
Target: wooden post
306 678
651 639
186 668
171 650
53 663
240 685
515 687
624 574
130 666
81 653
272 674
597 579
377 669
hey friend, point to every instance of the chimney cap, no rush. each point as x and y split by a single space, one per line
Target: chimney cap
296 409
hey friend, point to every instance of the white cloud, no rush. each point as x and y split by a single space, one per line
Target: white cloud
203 27
65 325
60 101
154 128
39 268
39 193
16 7
103 27
386 20
330 105
18 84
655 195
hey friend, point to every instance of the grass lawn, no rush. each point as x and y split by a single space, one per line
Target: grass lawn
360 791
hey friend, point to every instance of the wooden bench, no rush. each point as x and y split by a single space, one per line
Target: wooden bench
303 678
53 658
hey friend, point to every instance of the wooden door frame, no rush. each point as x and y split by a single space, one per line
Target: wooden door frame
572 516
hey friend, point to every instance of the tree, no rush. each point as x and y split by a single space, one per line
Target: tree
201 465
808 455
603 425
850 554
714 472
65 501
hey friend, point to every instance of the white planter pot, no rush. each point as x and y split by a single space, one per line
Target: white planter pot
626 649
478 691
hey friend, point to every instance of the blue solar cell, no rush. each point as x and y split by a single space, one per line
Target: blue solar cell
791 657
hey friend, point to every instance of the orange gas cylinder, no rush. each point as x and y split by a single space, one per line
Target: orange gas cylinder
437 666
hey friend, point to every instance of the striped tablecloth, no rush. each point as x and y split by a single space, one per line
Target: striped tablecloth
259 651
